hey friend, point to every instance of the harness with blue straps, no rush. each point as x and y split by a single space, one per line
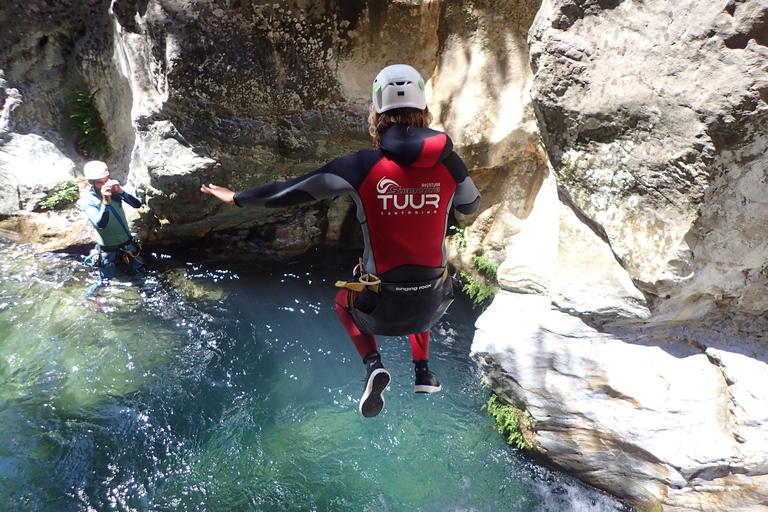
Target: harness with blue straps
128 254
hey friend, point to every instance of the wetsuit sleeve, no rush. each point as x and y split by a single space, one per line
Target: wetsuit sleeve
133 201
466 199
99 216
337 177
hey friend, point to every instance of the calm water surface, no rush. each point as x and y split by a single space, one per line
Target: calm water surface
233 387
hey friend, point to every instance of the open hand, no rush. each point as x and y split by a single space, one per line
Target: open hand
222 193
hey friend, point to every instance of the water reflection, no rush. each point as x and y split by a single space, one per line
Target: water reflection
234 387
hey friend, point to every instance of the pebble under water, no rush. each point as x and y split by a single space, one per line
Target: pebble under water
231 386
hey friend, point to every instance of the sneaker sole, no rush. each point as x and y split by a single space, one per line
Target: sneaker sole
426 389
372 401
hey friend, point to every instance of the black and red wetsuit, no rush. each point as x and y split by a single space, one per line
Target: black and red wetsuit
403 192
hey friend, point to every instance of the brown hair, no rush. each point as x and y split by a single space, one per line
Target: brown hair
379 123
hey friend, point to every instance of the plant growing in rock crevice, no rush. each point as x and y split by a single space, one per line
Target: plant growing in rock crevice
460 234
60 196
87 125
483 288
515 425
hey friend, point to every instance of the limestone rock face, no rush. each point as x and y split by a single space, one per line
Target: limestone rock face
654 117
34 165
637 342
247 93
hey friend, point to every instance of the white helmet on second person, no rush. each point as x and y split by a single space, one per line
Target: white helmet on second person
95 170
398 86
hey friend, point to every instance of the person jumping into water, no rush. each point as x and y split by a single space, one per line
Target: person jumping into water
404 189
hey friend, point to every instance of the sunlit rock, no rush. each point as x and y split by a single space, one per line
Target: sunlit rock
587 281
600 405
640 354
31 166
50 231
658 150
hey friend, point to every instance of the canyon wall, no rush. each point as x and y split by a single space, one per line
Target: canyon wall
620 150
640 351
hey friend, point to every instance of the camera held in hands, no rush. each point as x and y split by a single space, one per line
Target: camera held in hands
113 186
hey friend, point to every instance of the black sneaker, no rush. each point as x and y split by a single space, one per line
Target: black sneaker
376 381
426 381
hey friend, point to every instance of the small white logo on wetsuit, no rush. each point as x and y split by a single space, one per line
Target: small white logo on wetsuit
412 288
396 199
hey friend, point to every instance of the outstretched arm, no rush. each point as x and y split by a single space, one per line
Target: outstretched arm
224 194
328 181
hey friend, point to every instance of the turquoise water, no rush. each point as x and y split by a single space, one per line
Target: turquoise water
226 386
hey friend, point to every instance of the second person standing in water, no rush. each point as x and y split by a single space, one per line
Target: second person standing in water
404 189
104 207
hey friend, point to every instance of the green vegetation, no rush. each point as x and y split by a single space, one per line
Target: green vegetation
651 507
483 288
87 125
60 196
460 235
510 421
480 292
486 266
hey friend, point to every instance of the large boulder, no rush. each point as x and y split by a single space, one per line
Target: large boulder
654 118
637 344
33 166
246 93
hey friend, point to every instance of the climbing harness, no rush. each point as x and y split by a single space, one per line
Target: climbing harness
370 281
396 309
128 254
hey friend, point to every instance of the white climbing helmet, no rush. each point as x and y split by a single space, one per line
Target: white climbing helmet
95 170
398 86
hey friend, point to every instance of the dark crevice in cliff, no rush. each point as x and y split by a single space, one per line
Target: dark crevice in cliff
575 10
565 198
756 29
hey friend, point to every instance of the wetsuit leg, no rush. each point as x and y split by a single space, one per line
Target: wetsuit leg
106 271
107 268
364 343
420 346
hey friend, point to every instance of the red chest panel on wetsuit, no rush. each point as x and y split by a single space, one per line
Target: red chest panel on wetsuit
406 208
